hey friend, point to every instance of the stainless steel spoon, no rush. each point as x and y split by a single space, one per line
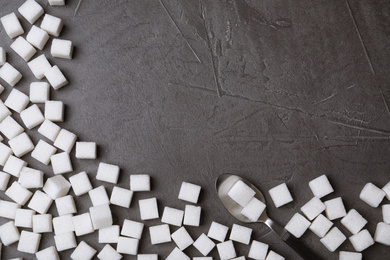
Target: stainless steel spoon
226 181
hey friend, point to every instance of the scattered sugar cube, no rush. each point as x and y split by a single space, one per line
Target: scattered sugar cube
23 48
37 37
56 187
127 245
333 239
55 77
172 216
313 208
353 221
61 49
10 75
5 153
9 234
109 234
204 244
21 144
361 240
4 179
372 195
18 194
335 208
140 182
8 209
31 10
86 150
241 193
83 252
159 234
16 100
386 189
23 218
57 2
61 163
39 92
42 223
108 173
82 224
99 196
14 166
241 234
274 256
189 192
63 224
226 250
385 213
253 209
4 111
43 152
40 202
121 197
101 216
48 253
147 257
65 241
52 25
39 66
12 25
32 116
343 255
280 195
29 242
54 110
182 238
321 186
3 57
49 130
217 231
80 183
10 128
148 208
382 233
65 205
177 254
297 225
109 253
321 225
192 215
258 250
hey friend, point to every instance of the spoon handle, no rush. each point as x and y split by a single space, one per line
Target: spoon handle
299 247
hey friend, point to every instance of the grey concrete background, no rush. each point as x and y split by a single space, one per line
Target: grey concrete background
275 91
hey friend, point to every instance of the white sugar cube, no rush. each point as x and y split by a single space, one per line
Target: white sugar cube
321 186
372 195
48 253
241 193
182 238
127 245
54 110
65 205
43 152
80 183
226 250
109 234
40 202
353 221
12 25
55 77
321 225
4 179
9 74
99 196
56 187
192 215
86 150
109 253
61 49
65 241
241 234
49 130
31 10
382 233
57 2
313 208
121 197
385 213
217 231
83 252
82 224
108 173
14 165
297 225
29 242
253 209
272 255
204 244
177 254
147 257
52 25
8 209
189 192
3 57
18 194
361 240
140 182
10 128
5 153
280 195
386 188
333 239
42 223
335 208
63 224
37 37
32 116
39 66
21 144
159 234
148 208
23 218
258 250
101 216
172 216
9 234
23 48
61 163
39 92
16 100
344 255
4 111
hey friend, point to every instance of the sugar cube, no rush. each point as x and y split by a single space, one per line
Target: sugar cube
313 208
353 221
29 242
272 255
23 218
127 245
48 253
54 110
18 194
386 188
280 195
23 48
39 92
80 183
121 197
63 224
372 195
82 224
217 231
177 254
55 77
140 182
42 223
321 186
240 234
16 100
159 234
57 2
132 229
258 250
101 216
361 240
39 66
56 187
99 196
49 130
321 225
108 173
147 257
83 252
4 179
21 144
297 225
9 234
382 233
40 202
148 208
10 128
204 244
14 165
344 255
226 250
31 10
32 116
189 192
10 75
109 253
43 152
61 49
65 241
65 205
385 213
61 163
65 140
12 25
335 208
3 57
241 193
109 234
86 150
37 37
4 111
182 238
172 216
5 153
253 209
8 209
52 25
192 215
333 239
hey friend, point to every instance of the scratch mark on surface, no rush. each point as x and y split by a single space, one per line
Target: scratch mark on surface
384 101
372 130
238 121
325 99
77 7
360 38
357 137
181 33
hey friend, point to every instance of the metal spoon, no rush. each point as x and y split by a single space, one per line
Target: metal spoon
225 182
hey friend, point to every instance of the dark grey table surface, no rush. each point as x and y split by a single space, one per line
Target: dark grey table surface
275 91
